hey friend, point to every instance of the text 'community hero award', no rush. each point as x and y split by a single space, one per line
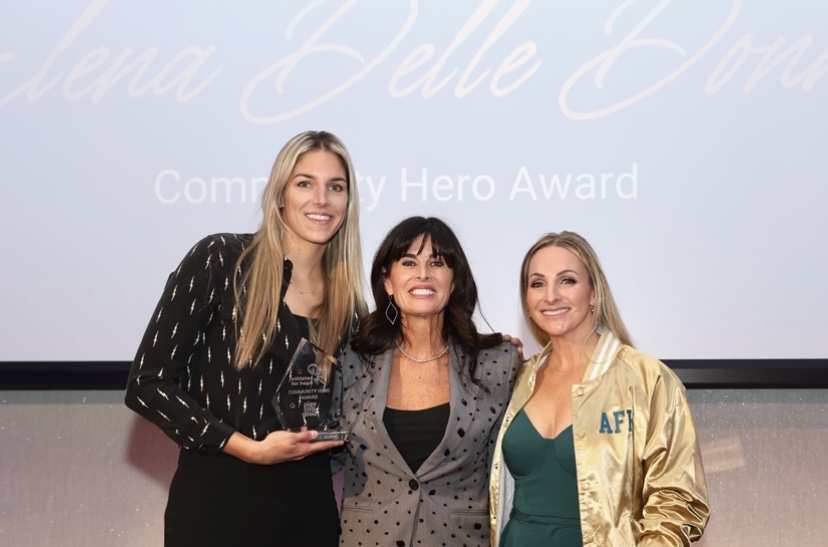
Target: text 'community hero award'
310 393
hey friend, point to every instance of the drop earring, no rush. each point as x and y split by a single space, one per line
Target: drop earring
391 309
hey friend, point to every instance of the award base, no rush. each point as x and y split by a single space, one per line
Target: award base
307 397
331 435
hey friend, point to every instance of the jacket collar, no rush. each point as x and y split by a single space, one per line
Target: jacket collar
288 333
603 356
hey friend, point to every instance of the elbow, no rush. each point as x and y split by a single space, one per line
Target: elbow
132 396
130 399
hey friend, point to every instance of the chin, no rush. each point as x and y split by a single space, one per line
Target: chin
321 239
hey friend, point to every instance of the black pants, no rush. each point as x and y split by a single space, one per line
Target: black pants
218 500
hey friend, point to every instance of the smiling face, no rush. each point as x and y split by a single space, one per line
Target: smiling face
315 199
559 294
420 282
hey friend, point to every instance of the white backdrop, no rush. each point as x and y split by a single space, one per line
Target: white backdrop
685 139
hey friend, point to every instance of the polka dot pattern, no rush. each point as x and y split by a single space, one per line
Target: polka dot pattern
445 502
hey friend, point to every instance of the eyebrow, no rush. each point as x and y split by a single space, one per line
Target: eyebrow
559 274
412 255
309 176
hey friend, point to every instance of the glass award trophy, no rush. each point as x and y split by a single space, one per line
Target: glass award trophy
310 393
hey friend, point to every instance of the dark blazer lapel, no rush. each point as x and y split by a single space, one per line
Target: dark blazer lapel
464 397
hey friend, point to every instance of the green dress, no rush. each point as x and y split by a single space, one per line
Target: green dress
545 510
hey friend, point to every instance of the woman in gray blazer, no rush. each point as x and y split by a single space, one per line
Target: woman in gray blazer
424 396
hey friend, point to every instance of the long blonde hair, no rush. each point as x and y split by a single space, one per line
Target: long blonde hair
606 314
258 283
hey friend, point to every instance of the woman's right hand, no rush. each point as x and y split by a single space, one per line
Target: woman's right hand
277 447
515 341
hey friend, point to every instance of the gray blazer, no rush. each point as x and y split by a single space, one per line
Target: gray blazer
445 502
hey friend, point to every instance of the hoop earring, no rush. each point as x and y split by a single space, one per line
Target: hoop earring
391 308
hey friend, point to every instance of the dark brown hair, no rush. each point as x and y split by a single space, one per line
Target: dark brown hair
377 334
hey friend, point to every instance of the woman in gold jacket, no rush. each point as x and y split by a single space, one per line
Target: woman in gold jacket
597 446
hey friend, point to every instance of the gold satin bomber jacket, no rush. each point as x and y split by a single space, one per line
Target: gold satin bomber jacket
639 467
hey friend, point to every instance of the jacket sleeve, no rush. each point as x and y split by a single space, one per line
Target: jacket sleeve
351 369
173 339
676 509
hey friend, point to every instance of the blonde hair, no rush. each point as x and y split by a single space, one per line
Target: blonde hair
258 285
606 314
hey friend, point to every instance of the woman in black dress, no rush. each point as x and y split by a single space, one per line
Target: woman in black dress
218 344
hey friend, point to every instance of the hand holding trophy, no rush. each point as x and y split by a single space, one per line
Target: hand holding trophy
310 393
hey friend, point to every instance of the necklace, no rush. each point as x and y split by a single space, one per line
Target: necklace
301 292
427 359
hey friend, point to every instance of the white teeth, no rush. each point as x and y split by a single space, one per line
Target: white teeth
423 292
318 217
556 312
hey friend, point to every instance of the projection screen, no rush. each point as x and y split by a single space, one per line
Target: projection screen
685 139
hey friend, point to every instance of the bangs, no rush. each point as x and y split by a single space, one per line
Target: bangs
443 243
